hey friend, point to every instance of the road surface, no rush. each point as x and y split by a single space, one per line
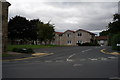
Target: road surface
66 62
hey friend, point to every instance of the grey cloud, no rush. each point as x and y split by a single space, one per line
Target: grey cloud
67 15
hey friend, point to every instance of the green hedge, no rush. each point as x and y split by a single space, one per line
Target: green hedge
88 44
115 41
23 50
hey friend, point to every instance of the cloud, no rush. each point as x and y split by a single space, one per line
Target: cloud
67 15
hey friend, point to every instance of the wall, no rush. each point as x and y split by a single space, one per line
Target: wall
65 38
84 38
103 42
0 27
5 6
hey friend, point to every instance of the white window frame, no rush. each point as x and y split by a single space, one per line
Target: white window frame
69 35
79 34
79 41
69 42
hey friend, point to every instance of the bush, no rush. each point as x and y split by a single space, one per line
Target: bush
87 44
23 50
115 41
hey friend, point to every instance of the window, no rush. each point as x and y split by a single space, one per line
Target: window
69 42
68 35
79 41
79 34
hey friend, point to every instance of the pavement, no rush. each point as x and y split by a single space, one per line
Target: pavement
66 62
108 50
23 56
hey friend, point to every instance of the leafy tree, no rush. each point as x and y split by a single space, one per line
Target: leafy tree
116 17
33 30
45 32
28 32
115 41
104 33
18 28
51 32
114 27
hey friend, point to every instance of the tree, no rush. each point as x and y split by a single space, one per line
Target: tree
33 30
28 32
45 32
104 33
51 31
116 17
114 27
18 28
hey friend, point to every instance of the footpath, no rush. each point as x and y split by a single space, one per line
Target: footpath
13 56
110 51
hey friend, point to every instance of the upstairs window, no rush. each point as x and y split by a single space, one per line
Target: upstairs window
79 34
68 35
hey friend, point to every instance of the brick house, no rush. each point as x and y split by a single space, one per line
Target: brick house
70 37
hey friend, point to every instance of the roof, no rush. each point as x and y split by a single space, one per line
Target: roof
75 31
70 31
86 31
59 32
101 37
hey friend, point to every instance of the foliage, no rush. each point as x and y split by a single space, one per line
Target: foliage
114 27
18 28
45 32
104 33
23 50
25 31
33 30
5 55
115 41
87 44
11 47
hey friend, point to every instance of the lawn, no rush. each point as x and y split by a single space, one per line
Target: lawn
5 55
11 47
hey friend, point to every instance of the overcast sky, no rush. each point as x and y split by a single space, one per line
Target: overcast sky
92 16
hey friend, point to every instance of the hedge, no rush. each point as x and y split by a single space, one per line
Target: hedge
88 44
23 50
116 40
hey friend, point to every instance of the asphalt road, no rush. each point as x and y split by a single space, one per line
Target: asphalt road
66 62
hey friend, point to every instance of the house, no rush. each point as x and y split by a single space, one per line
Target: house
70 37
57 38
102 40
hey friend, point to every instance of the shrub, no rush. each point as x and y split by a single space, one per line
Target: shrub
23 50
87 44
115 41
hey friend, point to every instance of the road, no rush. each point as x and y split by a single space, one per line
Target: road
66 62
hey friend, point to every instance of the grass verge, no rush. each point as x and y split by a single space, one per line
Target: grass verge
5 55
11 47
